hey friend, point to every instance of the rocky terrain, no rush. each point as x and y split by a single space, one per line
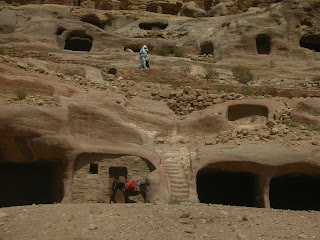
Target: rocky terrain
228 113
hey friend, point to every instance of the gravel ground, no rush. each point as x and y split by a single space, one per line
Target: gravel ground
151 221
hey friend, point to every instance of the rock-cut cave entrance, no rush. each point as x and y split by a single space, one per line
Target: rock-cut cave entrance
239 111
207 48
263 43
78 41
153 25
29 183
92 19
295 192
227 188
311 41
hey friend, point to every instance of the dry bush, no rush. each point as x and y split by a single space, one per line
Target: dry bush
242 74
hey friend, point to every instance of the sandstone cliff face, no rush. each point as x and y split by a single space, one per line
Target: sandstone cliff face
89 103
161 6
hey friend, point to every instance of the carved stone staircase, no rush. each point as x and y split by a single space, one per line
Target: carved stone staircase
174 160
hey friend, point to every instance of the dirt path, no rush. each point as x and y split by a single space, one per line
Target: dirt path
148 221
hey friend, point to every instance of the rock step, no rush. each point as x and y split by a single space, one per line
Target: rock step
174 171
179 181
179 190
177 176
180 196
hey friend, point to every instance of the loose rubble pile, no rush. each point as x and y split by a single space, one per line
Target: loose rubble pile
165 34
187 100
36 100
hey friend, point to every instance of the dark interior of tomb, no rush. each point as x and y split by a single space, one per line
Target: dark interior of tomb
92 19
295 192
207 48
30 183
60 30
133 47
311 42
238 111
94 168
227 188
263 43
118 171
78 41
153 26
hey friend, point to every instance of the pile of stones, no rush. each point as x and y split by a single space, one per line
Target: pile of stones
187 100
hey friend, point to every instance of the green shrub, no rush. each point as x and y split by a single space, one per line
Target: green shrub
186 70
167 51
248 91
179 52
161 51
291 123
20 93
312 127
174 201
2 52
242 74
244 218
175 86
210 72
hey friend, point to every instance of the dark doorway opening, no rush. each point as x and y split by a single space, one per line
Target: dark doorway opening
207 48
92 19
207 4
118 178
153 25
263 43
94 167
60 31
118 171
311 42
29 183
295 192
78 41
239 111
227 188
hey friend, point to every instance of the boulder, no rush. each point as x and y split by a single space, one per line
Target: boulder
191 9
8 20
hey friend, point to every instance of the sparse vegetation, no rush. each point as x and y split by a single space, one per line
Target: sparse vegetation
291 123
312 127
20 93
247 91
167 51
242 74
221 89
316 80
244 218
2 52
161 51
210 72
186 70
179 52
174 201
253 119
175 86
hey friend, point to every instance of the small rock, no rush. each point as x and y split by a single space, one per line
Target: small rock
2 214
96 211
274 131
92 227
303 236
241 236
315 143
185 215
